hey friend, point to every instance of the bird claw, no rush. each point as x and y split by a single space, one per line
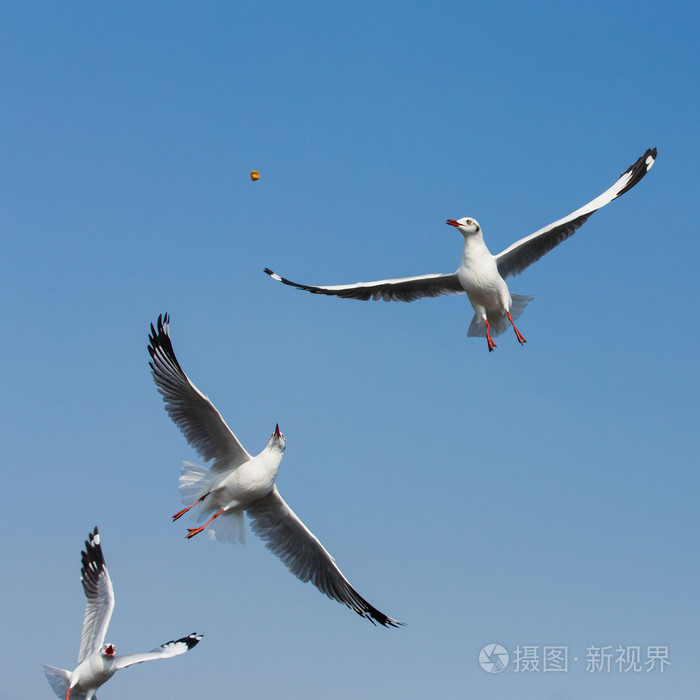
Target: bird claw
518 334
192 531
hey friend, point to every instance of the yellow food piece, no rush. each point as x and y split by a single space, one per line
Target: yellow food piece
254 175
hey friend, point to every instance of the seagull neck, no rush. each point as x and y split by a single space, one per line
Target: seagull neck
474 248
272 459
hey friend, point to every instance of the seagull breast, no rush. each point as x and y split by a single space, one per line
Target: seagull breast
478 274
254 479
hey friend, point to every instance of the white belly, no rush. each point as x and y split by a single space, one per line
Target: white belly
249 482
92 673
486 289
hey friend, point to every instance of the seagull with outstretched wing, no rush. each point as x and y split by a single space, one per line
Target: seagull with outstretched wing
482 275
239 483
97 661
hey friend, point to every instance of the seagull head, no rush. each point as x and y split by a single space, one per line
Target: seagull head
108 650
466 225
277 440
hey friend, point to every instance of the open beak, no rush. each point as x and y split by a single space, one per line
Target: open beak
452 222
277 431
110 650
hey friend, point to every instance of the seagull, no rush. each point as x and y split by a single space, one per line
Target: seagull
238 482
98 662
482 275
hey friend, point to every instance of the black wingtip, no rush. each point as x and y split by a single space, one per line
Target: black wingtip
161 330
277 277
92 545
159 340
369 612
651 153
93 562
638 169
389 622
191 639
296 285
377 617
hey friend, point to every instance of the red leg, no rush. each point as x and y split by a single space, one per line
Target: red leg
182 512
518 334
192 531
489 339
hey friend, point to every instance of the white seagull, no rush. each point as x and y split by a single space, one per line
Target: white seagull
239 482
98 662
482 275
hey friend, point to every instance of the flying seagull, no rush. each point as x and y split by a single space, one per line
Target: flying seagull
482 275
238 482
98 662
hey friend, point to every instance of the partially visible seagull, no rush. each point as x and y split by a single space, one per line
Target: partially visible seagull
239 482
98 662
482 275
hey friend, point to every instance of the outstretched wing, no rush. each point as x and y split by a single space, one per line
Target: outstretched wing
399 289
301 552
100 597
164 651
192 412
514 259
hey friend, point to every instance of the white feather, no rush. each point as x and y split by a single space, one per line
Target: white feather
58 679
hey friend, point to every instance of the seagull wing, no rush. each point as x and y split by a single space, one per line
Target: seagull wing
192 412
164 651
100 597
514 259
301 552
399 289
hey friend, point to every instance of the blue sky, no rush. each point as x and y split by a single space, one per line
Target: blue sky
536 496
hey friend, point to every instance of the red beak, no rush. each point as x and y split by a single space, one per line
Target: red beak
110 650
277 430
452 222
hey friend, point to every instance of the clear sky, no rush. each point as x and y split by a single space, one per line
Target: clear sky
533 497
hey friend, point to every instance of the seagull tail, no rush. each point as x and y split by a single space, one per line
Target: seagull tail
58 679
518 304
229 527
195 481
499 322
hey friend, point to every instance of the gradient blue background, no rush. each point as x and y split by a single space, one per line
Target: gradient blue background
544 495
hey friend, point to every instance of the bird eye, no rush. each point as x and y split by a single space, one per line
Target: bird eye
470 222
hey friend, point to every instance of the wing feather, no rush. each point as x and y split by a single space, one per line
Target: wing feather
517 257
164 651
302 553
100 597
399 289
199 421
